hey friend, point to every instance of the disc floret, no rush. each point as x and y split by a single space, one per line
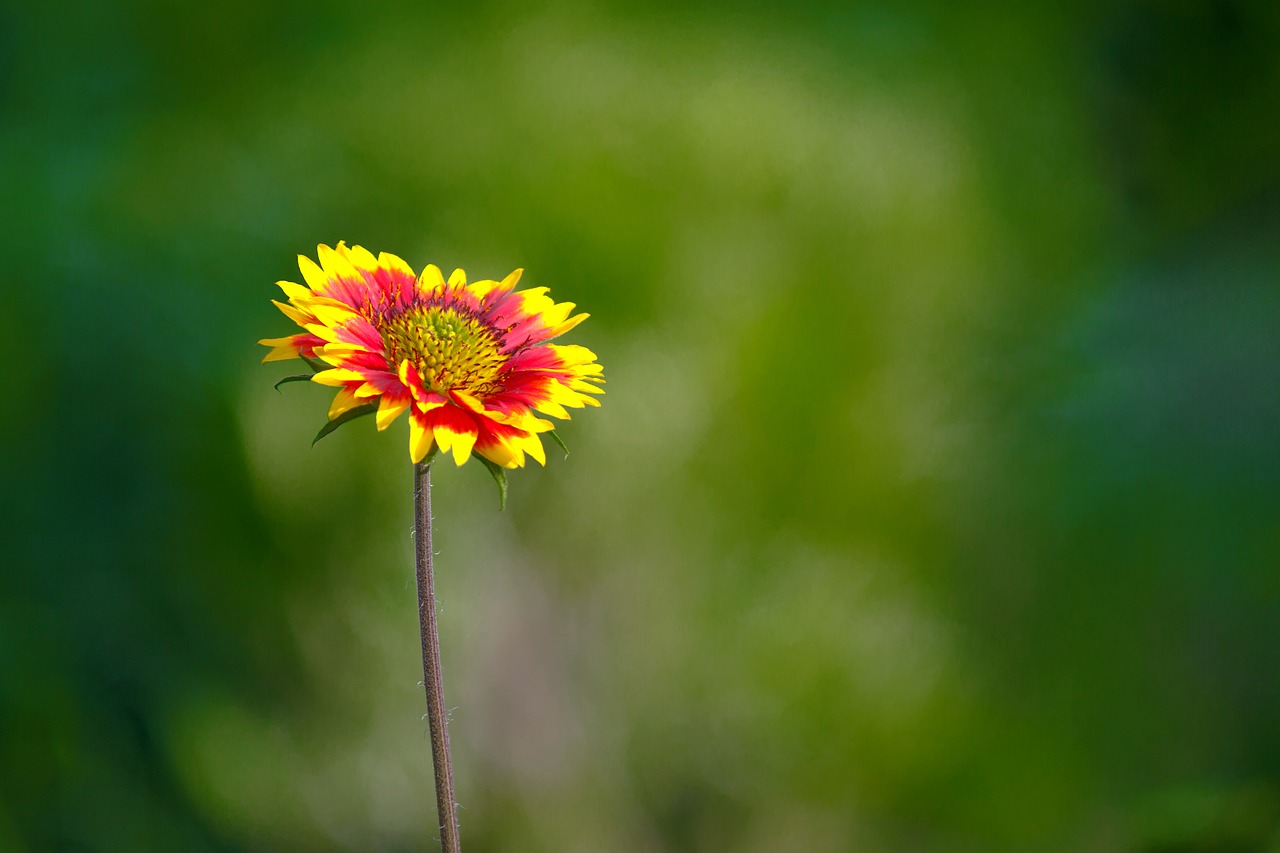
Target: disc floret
451 349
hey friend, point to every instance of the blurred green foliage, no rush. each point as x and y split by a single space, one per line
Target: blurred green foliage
933 504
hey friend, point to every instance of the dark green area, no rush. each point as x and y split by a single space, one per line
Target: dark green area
934 503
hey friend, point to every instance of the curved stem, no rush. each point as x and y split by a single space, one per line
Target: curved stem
433 680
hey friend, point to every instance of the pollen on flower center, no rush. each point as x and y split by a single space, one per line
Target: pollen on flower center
450 348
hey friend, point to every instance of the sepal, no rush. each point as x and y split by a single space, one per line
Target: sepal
297 377
315 364
500 477
349 415
555 436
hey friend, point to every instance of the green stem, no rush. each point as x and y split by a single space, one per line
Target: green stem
433 680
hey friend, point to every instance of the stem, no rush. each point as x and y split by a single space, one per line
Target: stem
433 680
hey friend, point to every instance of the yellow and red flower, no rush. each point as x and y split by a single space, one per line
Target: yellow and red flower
470 362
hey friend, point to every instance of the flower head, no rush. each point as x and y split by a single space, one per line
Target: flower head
470 362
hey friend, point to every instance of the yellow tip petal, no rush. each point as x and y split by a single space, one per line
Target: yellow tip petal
573 355
389 410
299 317
337 377
567 325
552 408
431 278
533 446
420 441
504 454
395 263
556 314
312 274
281 349
458 277
294 291
459 442
332 315
333 262
481 287
469 401
345 401
323 332
359 256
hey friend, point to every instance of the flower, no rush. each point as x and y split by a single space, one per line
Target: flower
470 362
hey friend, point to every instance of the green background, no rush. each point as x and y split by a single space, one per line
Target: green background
933 504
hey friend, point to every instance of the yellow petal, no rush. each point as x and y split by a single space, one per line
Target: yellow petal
562 395
526 421
420 441
535 301
294 291
567 325
390 409
312 274
573 355
394 263
481 286
555 315
293 314
360 257
534 424
459 442
551 407
469 401
332 315
281 349
345 401
431 278
333 352
337 377
308 302
458 277
533 446
504 454
322 332
336 265
336 357
484 287
586 387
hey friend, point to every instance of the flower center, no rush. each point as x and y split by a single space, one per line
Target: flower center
450 348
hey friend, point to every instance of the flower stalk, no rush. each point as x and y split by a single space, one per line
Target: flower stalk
433 677
473 366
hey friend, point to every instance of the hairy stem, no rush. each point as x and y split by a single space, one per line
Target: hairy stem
433 679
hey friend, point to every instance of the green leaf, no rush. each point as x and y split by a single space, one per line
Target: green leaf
500 477
297 377
315 364
555 436
349 415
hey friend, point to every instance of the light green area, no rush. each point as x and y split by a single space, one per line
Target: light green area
932 504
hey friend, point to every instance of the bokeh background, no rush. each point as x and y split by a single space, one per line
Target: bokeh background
933 505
